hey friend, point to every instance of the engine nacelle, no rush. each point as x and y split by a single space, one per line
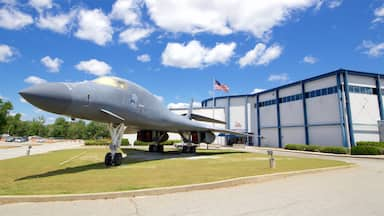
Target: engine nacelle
203 137
152 136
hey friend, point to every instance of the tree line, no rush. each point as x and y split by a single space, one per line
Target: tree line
14 126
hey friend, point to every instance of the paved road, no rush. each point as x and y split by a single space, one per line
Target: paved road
353 191
44 148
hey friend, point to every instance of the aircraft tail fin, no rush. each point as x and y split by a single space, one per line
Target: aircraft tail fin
189 115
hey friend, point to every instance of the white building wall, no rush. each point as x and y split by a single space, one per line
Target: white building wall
320 83
268 116
325 135
292 113
292 135
323 109
269 137
237 113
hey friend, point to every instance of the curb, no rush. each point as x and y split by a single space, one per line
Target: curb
374 157
164 190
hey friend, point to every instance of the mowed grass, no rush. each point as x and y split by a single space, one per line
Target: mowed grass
83 170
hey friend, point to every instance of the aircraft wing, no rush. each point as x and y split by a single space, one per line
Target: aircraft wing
226 131
204 118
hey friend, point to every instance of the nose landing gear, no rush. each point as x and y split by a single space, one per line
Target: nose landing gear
114 158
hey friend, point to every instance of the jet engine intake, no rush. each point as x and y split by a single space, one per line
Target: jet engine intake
152 136
202 137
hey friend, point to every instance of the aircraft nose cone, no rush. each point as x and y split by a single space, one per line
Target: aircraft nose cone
51 97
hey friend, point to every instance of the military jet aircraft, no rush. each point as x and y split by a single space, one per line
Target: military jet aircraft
126 107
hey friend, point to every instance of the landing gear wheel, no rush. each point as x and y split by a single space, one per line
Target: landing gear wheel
117 159
151 148
108 159
160 148
189 149
156 148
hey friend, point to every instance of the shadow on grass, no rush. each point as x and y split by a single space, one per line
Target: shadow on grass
133 156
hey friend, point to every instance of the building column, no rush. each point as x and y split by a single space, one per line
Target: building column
304 101
228 125
246 119
258 120
379 97
278 118
341 110
348 106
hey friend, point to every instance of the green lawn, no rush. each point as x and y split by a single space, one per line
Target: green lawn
83 170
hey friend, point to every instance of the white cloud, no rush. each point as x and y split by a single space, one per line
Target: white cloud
95 67
194 55
257 90
34 80
40 5
224 16
334 3
52 64
183 105
13 19
94 26
310 59
132 35
278 77
126 10
6 53
221 53
261 55
58 23
144 58
379 14
8 2
372 49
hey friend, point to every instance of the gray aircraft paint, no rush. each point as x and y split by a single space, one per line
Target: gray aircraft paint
134 106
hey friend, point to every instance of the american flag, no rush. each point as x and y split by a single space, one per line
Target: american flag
222 87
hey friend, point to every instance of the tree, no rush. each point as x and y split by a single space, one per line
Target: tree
77 130
5 107
37 127
59 128
97 130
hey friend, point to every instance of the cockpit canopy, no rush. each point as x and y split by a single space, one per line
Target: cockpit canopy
112 81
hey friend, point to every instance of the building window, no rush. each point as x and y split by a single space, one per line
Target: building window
362 90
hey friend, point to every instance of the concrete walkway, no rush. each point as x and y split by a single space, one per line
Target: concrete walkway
39 149
353 191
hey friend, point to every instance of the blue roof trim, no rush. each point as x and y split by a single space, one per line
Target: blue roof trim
351 72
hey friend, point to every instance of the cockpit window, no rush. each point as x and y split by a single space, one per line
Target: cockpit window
111 81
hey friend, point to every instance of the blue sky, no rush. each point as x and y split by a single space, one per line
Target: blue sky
176 48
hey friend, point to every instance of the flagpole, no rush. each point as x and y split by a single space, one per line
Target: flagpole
213 102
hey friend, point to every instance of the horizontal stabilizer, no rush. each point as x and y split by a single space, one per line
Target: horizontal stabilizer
204 118
112 114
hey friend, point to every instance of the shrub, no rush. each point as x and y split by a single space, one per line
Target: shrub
312 148
168 142
370 143
316 148
299 147
98 142
334 149
124 142
365 150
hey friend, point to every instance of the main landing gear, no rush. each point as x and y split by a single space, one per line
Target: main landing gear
114 158
156 148
188 146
